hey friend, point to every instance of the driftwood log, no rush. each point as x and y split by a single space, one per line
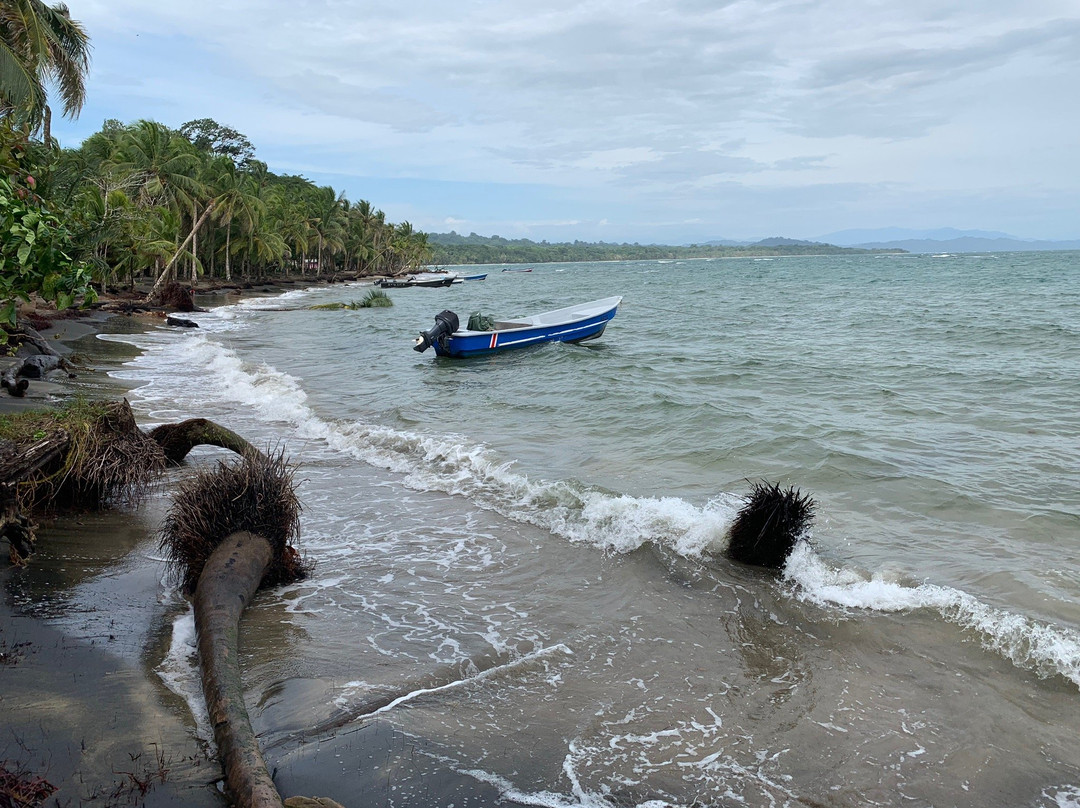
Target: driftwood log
16 378
176 440
229 579
26 333
13 383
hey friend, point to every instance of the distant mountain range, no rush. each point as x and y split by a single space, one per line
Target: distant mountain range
941 240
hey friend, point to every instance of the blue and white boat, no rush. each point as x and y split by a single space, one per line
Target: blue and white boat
577 323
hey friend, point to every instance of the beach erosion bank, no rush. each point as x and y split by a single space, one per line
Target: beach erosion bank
81 706
84 629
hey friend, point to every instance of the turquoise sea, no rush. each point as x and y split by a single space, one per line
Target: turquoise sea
520 594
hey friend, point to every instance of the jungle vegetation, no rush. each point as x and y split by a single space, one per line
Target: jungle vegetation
137 200
452 248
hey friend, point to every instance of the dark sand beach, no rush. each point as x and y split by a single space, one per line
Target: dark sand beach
81 706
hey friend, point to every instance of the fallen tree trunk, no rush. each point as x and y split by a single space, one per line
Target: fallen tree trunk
229 531
27 333
16 378
163 277
229 579
176 440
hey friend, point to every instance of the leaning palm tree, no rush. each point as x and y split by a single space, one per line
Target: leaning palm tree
168 166
41 45
236 203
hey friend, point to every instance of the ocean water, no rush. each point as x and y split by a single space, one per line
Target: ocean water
520 592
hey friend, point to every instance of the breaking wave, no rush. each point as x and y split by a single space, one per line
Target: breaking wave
606 520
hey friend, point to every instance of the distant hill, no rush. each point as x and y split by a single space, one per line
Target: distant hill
942 240
454 248
969 244
850 238
780 241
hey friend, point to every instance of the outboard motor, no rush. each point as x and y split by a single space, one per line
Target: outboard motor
446 323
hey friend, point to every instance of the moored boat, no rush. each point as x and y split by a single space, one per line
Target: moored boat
425 279
577 323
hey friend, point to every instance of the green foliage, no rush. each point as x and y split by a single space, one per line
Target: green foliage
34 255
208 135
28 425
374 299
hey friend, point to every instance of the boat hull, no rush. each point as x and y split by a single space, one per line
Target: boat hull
424 283
590 324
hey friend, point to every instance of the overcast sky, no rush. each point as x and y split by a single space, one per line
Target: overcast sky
626 120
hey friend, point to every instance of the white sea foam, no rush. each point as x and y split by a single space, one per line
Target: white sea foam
614 523
1063 797
549 799
1044 649
179 671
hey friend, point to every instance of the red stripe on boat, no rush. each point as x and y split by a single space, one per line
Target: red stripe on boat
493 338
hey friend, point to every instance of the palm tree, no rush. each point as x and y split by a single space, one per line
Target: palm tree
236 202
329 220
289 218
167 162
41 45
168 166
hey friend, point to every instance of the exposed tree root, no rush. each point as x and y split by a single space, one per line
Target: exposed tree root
88 456
255 495
228 532
769 526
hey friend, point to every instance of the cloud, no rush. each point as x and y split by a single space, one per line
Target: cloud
600 100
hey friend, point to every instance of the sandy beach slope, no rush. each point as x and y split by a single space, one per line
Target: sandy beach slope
79 705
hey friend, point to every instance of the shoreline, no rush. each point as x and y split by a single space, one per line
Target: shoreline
82 709
86 709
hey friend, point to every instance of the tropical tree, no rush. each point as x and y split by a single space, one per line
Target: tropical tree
168 167
329 218
41 45
236 203
208 135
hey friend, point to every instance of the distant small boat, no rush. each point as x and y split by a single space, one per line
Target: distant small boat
479 277
424 279
517 270
578 323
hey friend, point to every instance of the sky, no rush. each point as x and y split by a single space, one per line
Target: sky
671 122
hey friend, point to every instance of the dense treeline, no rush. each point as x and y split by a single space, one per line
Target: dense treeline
142 198
452 248
144 202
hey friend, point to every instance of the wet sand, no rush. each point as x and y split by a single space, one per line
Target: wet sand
80 706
